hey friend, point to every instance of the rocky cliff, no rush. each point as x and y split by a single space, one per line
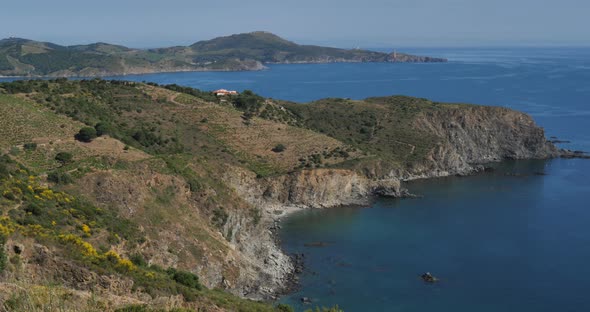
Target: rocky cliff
469 137
475 135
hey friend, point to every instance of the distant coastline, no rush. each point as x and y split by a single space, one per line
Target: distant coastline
23 58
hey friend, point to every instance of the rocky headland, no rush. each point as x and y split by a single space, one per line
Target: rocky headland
240 52
181 180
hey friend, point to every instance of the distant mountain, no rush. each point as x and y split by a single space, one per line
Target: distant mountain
249 51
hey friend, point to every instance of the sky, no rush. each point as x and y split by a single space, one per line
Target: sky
341 23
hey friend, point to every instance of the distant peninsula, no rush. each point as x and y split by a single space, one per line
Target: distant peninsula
240 52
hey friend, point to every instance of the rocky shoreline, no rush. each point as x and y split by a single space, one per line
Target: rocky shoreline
298 260
470 137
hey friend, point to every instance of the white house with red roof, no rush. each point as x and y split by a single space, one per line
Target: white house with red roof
223 92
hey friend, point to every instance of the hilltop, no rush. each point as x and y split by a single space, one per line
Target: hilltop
249 51
174 200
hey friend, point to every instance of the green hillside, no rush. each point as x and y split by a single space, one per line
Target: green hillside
22 57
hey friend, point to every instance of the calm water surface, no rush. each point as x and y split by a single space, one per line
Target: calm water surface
512 240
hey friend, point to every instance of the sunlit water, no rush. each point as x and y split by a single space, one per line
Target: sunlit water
511 240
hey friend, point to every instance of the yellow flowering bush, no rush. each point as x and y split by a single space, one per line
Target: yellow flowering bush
87 249
86 229
7 226
121 263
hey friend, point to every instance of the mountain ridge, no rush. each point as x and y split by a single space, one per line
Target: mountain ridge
238 52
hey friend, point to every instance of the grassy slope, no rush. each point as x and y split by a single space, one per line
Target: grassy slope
381 127
36 121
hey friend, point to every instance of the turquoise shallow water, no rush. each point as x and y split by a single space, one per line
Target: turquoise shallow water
511 240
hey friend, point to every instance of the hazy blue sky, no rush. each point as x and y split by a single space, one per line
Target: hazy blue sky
366 23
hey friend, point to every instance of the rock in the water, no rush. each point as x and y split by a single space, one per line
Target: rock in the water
429 278
305 300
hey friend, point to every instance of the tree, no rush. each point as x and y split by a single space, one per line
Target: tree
64 157
86 134
103 128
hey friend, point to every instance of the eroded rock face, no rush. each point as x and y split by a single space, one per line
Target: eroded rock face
478 135
318 188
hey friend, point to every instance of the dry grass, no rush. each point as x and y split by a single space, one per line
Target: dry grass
254 141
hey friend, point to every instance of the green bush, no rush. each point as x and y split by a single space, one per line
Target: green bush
184 278
103 128
138 260
279 148
248 101
64 157
219 217
86 134
5 161
30 146
59 177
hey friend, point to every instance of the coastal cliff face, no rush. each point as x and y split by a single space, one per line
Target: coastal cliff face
471 136
275 197
318 188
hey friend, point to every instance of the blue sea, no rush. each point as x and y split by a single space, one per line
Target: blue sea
516 239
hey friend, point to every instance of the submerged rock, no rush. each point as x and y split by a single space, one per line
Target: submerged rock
429 278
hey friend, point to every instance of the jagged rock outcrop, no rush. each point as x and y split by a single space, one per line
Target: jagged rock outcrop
318 188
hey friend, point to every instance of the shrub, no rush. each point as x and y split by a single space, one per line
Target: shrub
64 157
219 217
33 209
30 146
103 128
184 278
138 260
279 148
59 177
86 134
